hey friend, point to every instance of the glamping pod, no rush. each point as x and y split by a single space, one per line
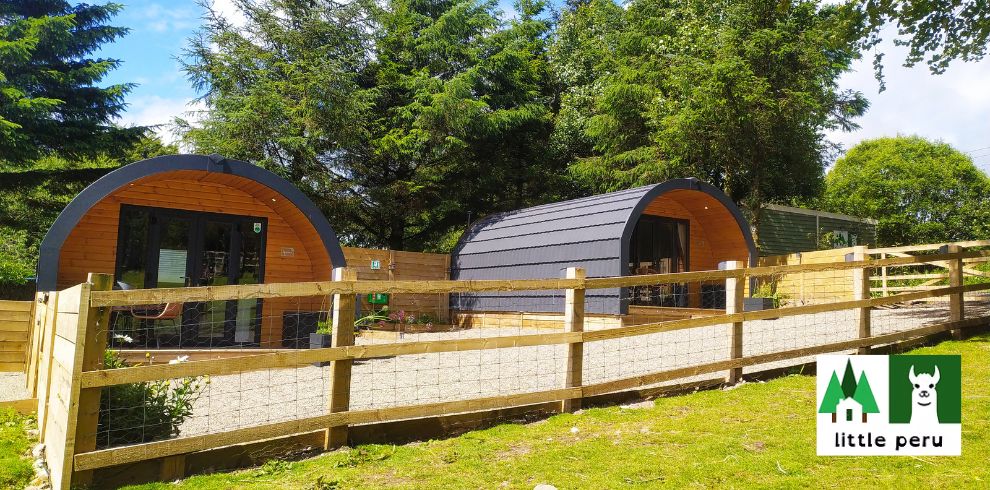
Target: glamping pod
676 226
194 220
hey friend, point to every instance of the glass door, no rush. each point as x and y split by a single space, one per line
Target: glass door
162 248
659 245
211 323
172 237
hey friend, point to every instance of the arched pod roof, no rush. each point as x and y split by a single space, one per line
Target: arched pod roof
51 246
592 232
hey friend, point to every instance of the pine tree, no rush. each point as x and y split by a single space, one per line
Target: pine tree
833 395
50 100
864 395
401 118
848 380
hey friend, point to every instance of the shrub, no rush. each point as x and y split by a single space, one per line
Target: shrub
144 412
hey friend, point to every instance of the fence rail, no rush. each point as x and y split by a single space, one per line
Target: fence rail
889 282
78 329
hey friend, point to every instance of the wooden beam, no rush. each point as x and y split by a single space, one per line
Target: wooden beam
930 246
340 372
861 291
140 452
152 450
283 290
288 359
957 304
306 356
93 343
574 323
734 300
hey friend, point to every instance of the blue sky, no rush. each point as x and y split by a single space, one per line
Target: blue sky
953 107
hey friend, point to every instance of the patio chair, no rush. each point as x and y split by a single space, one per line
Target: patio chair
170 311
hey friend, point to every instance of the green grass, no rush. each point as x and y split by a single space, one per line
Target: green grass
15 461
758 435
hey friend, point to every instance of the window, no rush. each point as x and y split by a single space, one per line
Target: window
659 245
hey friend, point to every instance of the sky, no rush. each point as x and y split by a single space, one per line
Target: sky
953 107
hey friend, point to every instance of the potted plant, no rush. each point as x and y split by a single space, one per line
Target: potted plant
764 298
321 339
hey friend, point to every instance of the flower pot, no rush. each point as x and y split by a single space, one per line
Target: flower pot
319 341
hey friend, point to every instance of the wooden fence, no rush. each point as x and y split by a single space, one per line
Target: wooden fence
15 322
889 281
71 376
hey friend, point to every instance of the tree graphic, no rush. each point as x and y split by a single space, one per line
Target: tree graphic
849 380
864 396
833 395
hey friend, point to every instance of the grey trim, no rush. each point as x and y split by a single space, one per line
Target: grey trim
51 246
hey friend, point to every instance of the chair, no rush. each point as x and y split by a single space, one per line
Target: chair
171 311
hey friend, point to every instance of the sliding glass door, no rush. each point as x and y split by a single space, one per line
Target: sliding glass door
659 246
163 248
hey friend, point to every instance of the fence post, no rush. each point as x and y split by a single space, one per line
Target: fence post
883 273
574 322
340 371
861 291
734 293
94 343
957 307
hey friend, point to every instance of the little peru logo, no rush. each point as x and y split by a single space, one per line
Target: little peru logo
849 400
889 405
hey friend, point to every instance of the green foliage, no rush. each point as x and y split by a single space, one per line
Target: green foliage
15 446
50 100
144 412
33 193
400 118
769 290
919 191
17 256
936 31
736 93
372 318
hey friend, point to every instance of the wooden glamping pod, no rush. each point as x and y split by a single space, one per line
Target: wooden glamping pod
194 220
677 226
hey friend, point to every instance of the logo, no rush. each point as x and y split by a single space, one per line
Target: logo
889 405
257 227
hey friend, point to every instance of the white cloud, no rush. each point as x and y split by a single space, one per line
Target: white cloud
228 10
154 110
165 19
951 107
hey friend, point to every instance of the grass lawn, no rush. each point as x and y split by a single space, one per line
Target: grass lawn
758 435
15 461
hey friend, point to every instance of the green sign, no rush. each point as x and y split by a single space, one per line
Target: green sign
378 298
257 227
376 265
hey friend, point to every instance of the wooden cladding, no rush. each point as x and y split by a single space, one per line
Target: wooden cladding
714 234
15 323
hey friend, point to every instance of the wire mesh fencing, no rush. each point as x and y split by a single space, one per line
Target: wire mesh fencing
632 336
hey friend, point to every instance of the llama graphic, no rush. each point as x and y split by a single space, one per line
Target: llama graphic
924 398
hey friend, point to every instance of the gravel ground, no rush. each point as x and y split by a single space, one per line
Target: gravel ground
262 397
12 387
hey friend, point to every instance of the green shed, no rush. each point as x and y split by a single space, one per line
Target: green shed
785 230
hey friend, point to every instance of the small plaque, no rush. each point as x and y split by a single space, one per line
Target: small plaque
288 252
257 228
376 265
